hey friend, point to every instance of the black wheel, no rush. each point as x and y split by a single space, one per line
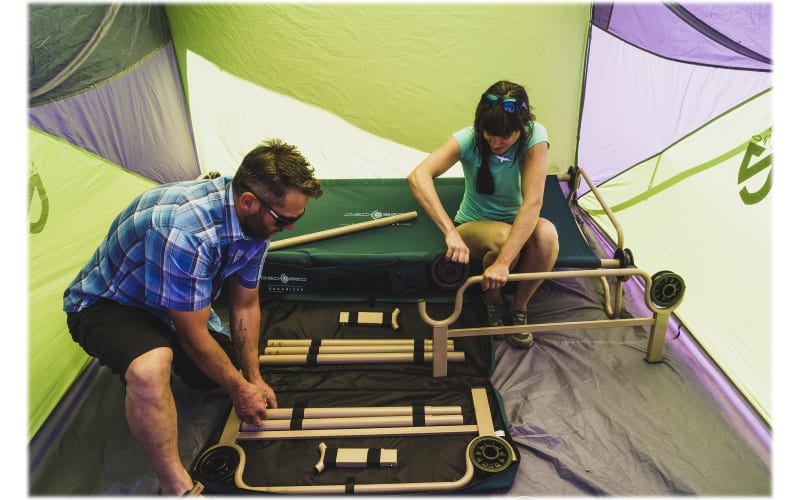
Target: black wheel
490 454
446 274
625 258
667 290
218 464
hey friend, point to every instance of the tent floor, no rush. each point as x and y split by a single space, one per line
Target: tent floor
589 414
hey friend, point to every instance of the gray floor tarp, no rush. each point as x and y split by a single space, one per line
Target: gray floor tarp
590 415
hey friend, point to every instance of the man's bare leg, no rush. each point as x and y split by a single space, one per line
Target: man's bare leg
153 418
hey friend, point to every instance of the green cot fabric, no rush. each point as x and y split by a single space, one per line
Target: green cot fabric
392 259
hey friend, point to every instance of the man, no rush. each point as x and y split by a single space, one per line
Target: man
142 304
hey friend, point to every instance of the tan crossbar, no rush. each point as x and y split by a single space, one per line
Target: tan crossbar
483 413
352 422
366 432
372 357
361 411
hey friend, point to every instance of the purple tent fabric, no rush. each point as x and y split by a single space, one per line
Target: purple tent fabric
727 35
75 47
138 120
644 97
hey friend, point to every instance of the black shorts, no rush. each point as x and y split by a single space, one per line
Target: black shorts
117 334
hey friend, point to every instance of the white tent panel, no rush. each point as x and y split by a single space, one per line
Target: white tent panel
228 124
691 213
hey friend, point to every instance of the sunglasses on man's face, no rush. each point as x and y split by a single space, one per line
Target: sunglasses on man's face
280 220
510 104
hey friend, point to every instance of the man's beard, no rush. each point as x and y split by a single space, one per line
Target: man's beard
254 228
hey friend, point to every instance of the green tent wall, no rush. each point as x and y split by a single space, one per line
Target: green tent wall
367 90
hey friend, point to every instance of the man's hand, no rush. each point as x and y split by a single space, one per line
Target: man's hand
269 395
250 404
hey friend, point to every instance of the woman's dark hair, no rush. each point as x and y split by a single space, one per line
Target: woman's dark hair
273 167
496 121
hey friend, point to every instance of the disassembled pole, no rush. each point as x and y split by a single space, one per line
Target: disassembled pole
348 358
352 422
345 349
359 411
338 342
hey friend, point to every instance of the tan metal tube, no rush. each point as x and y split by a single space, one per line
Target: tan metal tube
340 231
344 349
352 358
325 342
361 411
352 422
366 432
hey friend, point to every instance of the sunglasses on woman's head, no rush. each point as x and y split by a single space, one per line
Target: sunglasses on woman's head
510 104
280 220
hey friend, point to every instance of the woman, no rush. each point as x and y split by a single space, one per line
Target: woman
504 158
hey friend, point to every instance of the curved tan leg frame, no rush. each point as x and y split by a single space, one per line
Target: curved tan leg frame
441 334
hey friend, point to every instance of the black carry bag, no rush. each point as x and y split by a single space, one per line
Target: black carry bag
369 418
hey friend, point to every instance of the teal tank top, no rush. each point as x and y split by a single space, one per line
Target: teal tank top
504 203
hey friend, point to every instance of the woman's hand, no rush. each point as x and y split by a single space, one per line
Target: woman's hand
457 250
495 276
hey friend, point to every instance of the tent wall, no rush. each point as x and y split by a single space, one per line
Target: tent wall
127 95
686 165
107 120
367 90
104 77
70 210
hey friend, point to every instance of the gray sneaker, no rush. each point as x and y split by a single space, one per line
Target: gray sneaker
519 317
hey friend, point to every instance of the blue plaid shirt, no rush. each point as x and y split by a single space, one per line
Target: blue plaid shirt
171 249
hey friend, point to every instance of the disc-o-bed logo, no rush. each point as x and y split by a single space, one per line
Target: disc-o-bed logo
285 283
